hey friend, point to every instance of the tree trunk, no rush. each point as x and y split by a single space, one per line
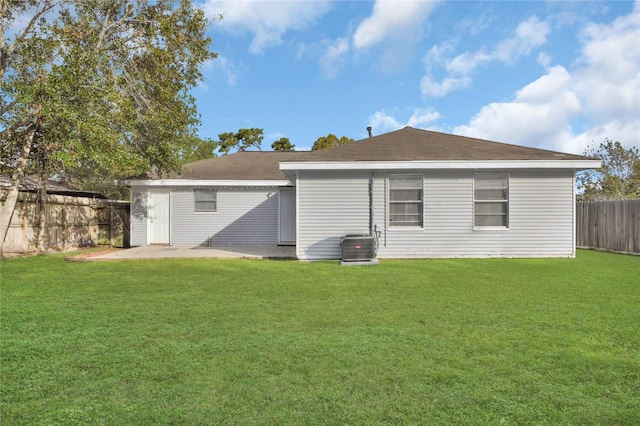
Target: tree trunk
42 203
16 180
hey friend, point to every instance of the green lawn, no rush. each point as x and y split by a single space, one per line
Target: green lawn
494 341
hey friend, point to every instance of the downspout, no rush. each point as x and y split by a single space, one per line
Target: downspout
575 208
371 204
372 228
369 129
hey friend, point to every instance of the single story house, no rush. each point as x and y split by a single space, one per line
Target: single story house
422 193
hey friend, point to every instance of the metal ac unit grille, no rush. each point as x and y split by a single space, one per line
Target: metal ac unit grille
358 247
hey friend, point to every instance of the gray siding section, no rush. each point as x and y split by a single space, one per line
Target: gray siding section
138 222
541 210
541 220
330 204
245 216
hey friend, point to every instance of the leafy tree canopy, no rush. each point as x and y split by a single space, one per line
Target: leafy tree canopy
329 141
240 140
199 149
619 176
98 85
283 144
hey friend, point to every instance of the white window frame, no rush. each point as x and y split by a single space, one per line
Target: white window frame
196 210
391 225
505 201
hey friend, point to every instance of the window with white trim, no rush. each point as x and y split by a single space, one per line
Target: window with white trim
491 200
405 201
205 200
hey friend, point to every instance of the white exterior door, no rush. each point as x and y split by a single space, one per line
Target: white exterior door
287 216
158 211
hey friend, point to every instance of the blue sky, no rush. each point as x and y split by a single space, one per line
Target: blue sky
558 75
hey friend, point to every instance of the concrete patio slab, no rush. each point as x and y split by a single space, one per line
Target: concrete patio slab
190 252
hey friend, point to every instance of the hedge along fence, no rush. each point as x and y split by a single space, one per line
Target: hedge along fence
612 225
71 222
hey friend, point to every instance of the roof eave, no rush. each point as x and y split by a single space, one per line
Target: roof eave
452 164
208 182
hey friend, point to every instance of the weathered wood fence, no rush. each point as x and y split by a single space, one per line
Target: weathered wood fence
113 223
70 222
610 225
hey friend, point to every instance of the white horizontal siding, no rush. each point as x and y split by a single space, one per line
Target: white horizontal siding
540 215
245 216
540 218
138 219
330 205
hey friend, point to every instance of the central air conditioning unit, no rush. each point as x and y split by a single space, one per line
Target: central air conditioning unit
358 248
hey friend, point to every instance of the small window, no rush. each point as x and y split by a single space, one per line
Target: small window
405 201
205 200
491 200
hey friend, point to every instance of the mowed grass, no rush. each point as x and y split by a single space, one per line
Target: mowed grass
476 341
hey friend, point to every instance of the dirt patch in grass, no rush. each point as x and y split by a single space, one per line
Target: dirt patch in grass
90 255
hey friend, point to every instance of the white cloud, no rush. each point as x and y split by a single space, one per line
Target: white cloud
547 88
602 96
539 116
391 19
430 87
544 59
275 136
609 81
529 35
228 69
467 62
384 121
439 54
627 132
333 57
396 25
267 21
422 117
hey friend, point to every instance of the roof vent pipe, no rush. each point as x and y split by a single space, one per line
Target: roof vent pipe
369 130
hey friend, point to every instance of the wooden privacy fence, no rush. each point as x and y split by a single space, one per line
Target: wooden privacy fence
71 221
610 225
113 223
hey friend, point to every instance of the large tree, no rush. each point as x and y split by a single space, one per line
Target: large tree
97 85
199 149
283 144
240 140
329 141
619 176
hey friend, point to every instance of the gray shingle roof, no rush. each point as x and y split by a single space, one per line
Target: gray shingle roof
409 144
244 165
32 184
